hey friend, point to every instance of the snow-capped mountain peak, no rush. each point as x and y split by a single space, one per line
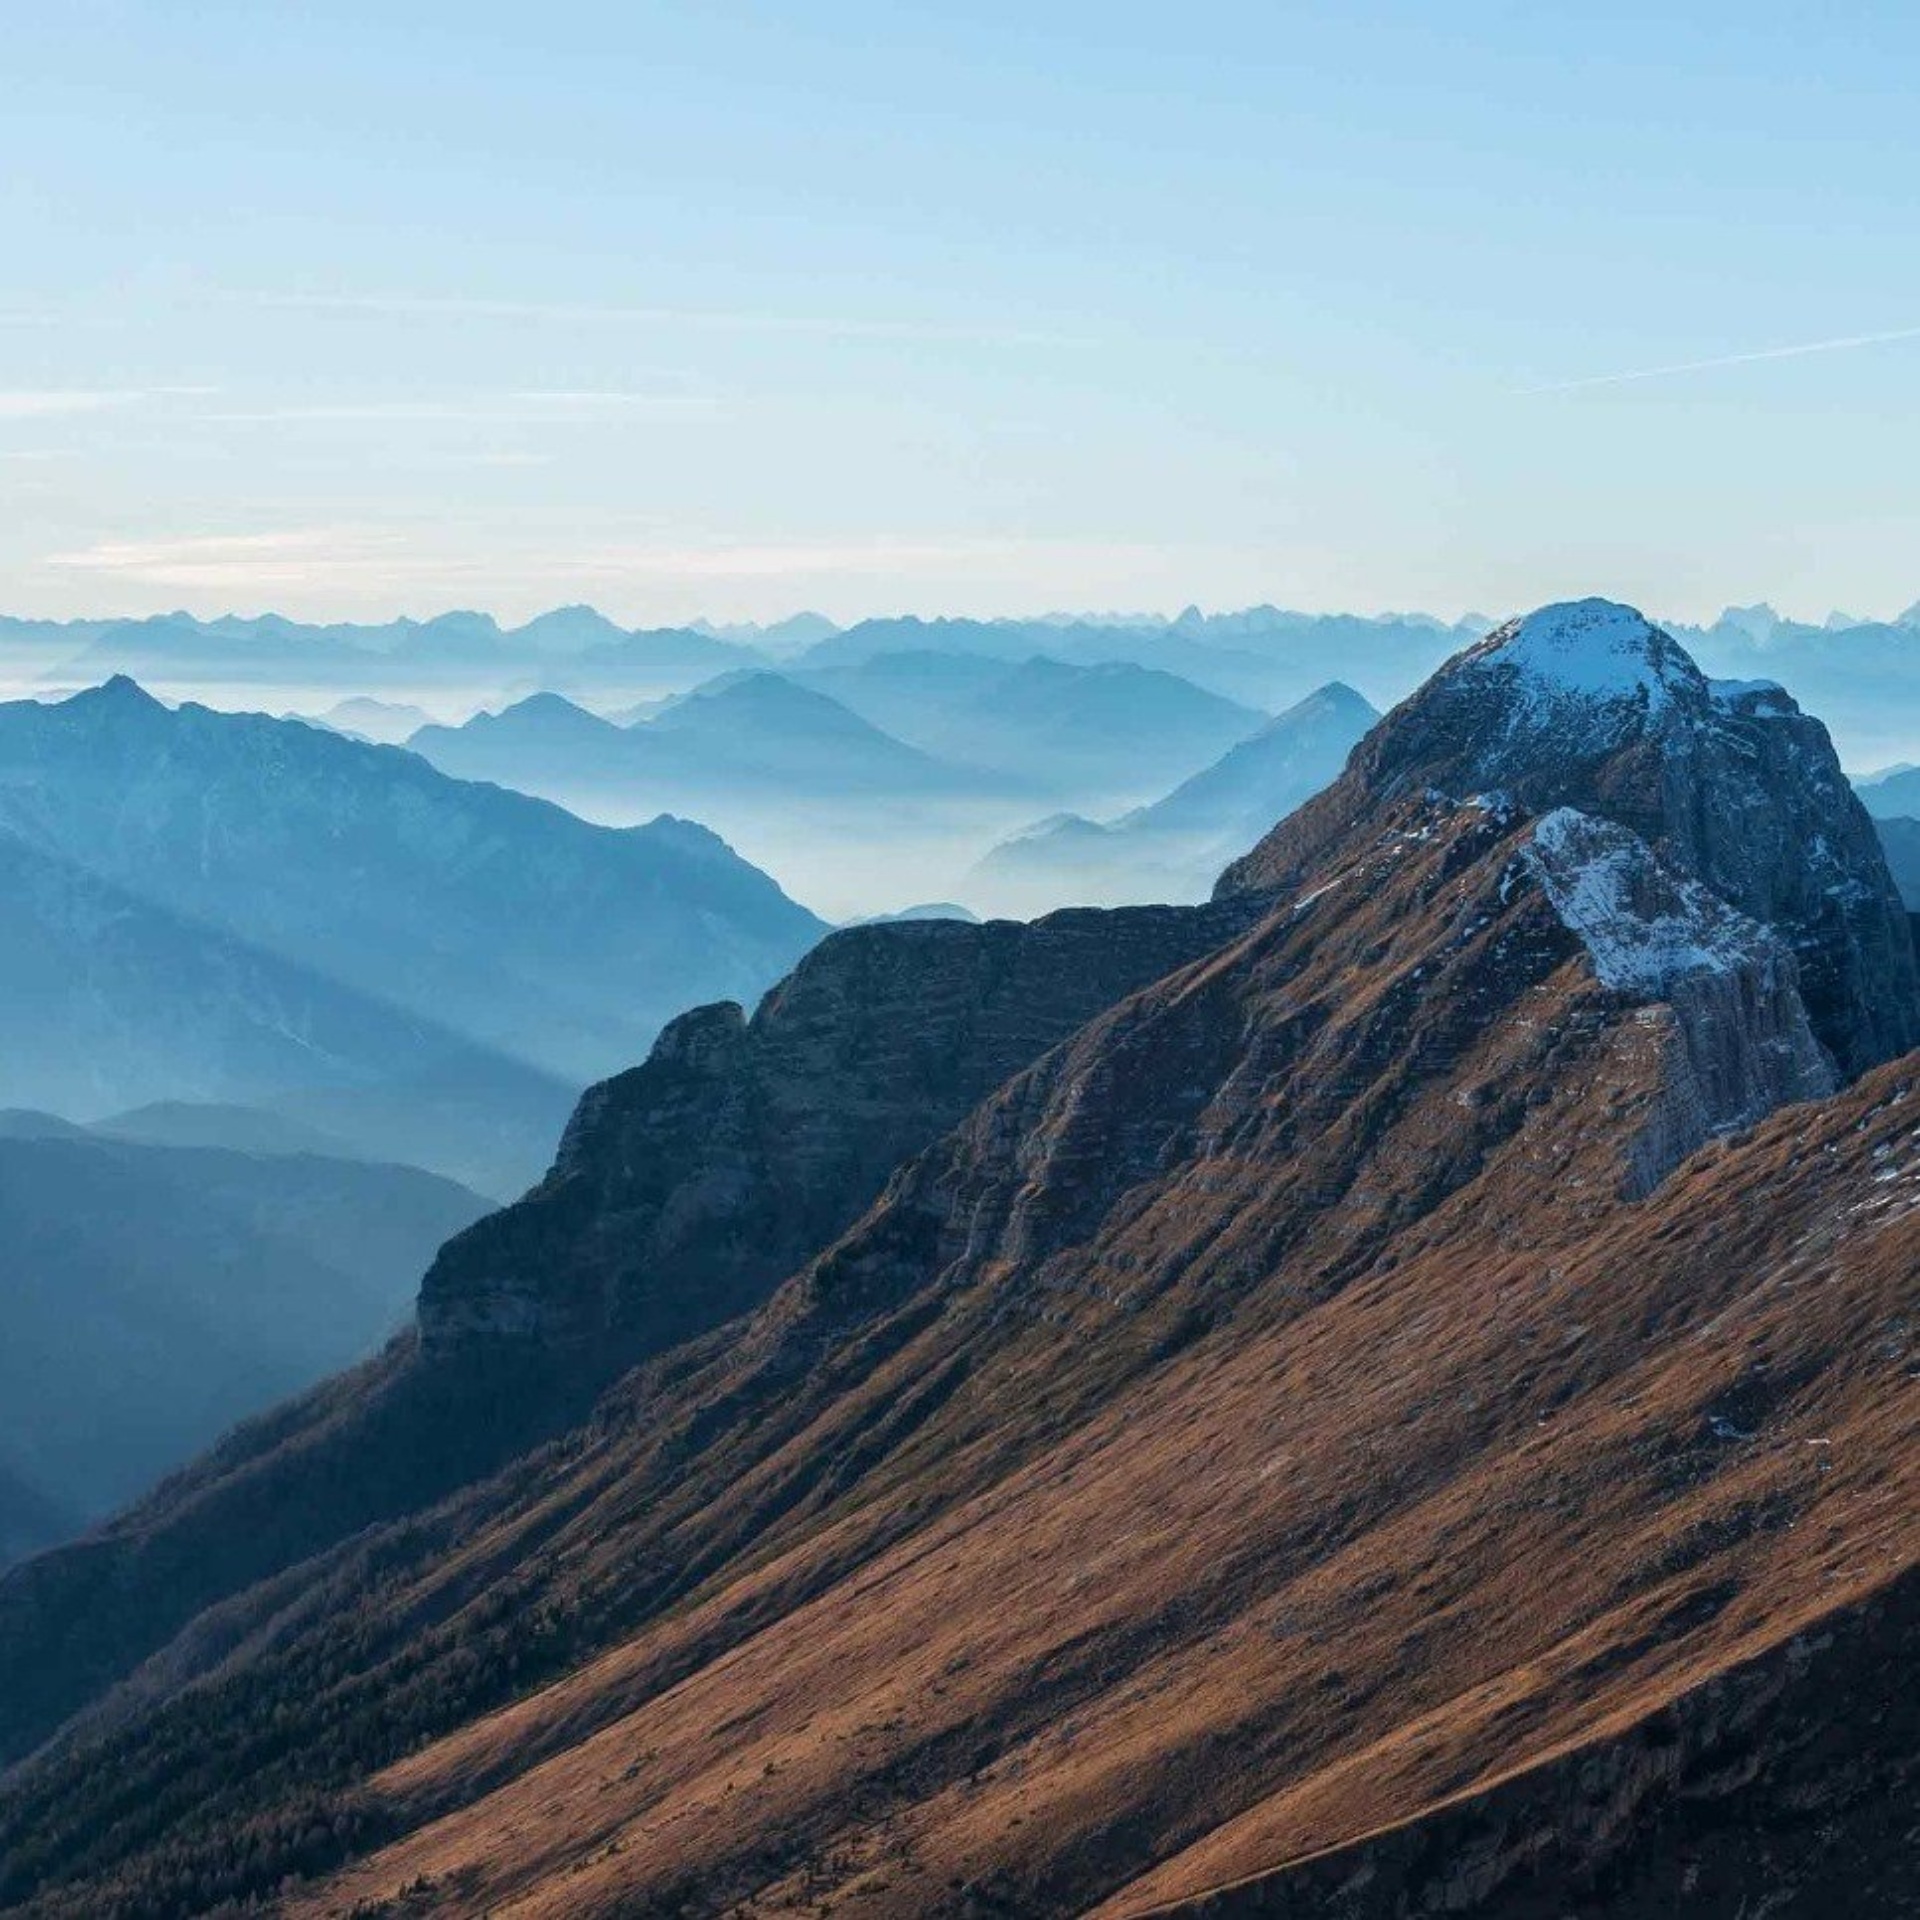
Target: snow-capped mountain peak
1592 653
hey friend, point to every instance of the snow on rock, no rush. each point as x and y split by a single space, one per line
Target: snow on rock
1589 664
1642 926
1738 1041
1755 697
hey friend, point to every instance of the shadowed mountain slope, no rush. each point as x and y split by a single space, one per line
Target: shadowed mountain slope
749 733
297 912
112 1000
1392 1349
29 1519
1088 730
154 1295
1174 848
1900 842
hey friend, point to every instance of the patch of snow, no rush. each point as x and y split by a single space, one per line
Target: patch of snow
1593 650
1758 698
1642 926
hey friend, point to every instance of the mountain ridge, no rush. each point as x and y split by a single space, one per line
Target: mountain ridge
521 935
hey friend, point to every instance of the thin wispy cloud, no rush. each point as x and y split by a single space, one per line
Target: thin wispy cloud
47 403
370 560
1800 350
483 409
292 558
799 559
704 319
50 402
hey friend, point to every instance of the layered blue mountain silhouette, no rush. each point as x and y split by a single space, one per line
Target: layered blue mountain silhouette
225 907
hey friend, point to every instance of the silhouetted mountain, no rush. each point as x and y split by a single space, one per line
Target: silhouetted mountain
1044 726
762 727
1259 782
748 736
1893 795
1172 849
386 721
1863 675
571 630
1381 1413
1900 842
543 744
29 1520
107 1000
244 910
780 640
1264 657
462 650
656 661
171 649
927 910
183 1123
155 1295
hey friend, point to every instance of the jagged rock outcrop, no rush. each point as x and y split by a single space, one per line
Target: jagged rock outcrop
686 1189
1588 705
1723 989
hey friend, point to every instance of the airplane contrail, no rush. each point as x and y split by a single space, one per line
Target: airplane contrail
1844 344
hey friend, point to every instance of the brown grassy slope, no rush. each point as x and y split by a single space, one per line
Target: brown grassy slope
1283 1595
1481 1461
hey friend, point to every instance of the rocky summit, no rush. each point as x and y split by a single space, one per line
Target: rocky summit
1590 706
1394 1399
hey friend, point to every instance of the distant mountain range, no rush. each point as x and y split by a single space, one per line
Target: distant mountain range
1862 678
1862 675
750 736
1174 848
221 907
1106 730
187 1123
361 718
460 655
154 1295
864 784
1264 657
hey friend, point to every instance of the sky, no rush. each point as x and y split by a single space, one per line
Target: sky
350 310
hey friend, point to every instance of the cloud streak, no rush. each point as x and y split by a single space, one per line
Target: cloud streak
51 402
367 559
704 319
1845 343
495 409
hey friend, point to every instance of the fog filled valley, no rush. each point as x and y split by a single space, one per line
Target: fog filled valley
1232 1264
1007 767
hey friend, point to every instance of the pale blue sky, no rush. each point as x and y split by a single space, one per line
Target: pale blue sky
356 309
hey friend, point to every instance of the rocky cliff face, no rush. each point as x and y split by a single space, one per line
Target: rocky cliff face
685 1190
1722 990
1589 706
